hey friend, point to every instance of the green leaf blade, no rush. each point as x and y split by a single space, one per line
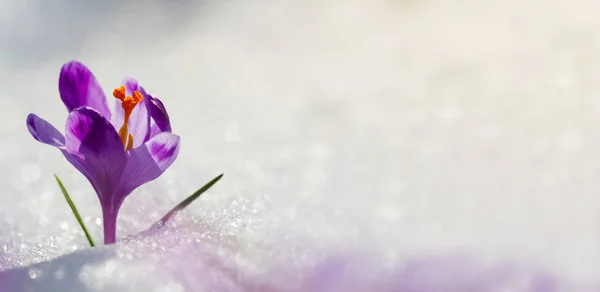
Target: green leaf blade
187 201
74 210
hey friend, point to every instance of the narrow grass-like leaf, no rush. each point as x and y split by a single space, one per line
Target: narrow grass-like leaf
188 201
75 212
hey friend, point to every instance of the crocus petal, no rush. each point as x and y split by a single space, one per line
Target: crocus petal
131 84
92 138
44 132
95 149
160 121
79 163
78 87
139 125
149 161
139 121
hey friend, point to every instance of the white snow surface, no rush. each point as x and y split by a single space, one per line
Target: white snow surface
367 145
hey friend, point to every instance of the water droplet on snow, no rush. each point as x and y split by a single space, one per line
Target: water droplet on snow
33 273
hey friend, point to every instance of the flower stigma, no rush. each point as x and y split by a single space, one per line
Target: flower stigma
128 103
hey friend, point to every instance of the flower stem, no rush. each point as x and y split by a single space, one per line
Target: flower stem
109 220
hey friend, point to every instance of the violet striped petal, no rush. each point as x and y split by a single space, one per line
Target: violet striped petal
78 87
160 121
44 132
149 161
91 137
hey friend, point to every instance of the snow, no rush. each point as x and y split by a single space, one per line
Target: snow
367 145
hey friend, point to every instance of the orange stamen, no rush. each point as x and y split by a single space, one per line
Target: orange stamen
120 93
128 103
129 143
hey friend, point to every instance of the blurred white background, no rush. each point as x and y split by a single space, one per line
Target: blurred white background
402 126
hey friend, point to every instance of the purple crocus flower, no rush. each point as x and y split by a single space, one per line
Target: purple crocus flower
116 151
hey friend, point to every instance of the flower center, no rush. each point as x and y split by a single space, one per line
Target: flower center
128 103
